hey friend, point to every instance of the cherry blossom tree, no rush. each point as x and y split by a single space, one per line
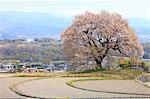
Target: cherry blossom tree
93 35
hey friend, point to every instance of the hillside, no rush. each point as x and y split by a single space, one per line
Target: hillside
43 50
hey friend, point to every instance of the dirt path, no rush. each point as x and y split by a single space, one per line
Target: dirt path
56 87
3 75
148 84
116 86
5 92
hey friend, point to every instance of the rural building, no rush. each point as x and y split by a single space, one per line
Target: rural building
6 67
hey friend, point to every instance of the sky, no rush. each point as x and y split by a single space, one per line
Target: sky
127 8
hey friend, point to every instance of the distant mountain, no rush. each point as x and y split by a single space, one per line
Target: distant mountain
31 25
35 25
141 27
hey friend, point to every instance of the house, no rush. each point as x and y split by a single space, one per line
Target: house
6 67
51 67
137 68
39 67
62 67
29 40
32 65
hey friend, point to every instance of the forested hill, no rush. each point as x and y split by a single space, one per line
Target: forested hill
44 50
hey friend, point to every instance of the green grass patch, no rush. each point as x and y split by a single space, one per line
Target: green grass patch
109 74
38 74
72 82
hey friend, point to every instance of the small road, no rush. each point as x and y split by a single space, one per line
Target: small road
130 87
4 75
5 81
148 84
56 88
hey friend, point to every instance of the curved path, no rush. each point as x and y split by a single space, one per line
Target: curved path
129 87
148 84
57 88
5 82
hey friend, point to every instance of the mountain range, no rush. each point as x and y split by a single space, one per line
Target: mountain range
36 25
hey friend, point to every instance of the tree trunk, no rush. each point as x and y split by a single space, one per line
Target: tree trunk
99 62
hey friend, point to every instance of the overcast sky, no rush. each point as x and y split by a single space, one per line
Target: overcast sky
127 8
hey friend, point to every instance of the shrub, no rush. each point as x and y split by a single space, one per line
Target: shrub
92 70
125 63
144 65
